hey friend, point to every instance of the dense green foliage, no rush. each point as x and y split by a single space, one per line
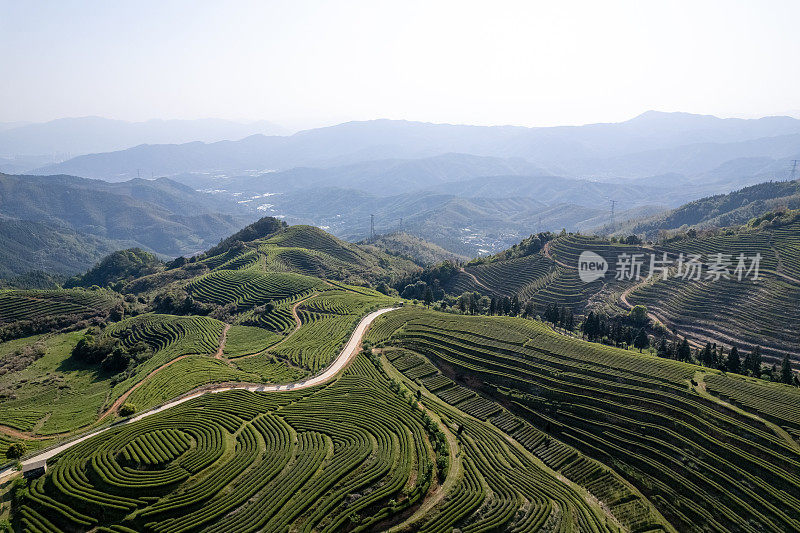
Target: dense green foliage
27 245
119 267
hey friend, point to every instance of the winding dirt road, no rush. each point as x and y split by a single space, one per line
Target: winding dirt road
222 339
345 356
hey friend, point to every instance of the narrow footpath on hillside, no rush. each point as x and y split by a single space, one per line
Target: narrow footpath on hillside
350 350
123 398
547 254
297 325
475 280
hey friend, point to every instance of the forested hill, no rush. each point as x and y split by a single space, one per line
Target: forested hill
80 220
413 248
721 210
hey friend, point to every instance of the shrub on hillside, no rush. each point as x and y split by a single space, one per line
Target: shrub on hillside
16 450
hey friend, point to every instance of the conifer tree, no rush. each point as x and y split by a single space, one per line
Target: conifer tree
684 351
529 310
786 370
428 297
734 363
641 341
662 350
721 365
708 356
747 363
755 361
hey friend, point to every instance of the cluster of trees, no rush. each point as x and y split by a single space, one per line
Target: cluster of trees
421 290
178 302
620 331
47 324
630 239
182 261
117 268
110 354
505 306
677 349
528 246
16 450
435 277
475 304
32 280
735 361
560 317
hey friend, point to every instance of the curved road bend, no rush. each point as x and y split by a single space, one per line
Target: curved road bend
345 356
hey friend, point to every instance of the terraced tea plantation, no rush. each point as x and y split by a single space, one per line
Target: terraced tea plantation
256 388
638 414
726 311
72 304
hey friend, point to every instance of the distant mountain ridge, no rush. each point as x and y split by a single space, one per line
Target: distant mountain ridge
623 149
79 220
84 135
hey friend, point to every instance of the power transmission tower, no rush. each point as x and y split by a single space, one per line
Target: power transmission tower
401 223
613 206
372 227
794 169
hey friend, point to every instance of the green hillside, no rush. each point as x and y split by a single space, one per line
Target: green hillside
701 467
720 210
78 221
443 422
541 272
26 246
119 267
411 247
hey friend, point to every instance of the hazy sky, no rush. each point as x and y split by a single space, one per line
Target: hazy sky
305 63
